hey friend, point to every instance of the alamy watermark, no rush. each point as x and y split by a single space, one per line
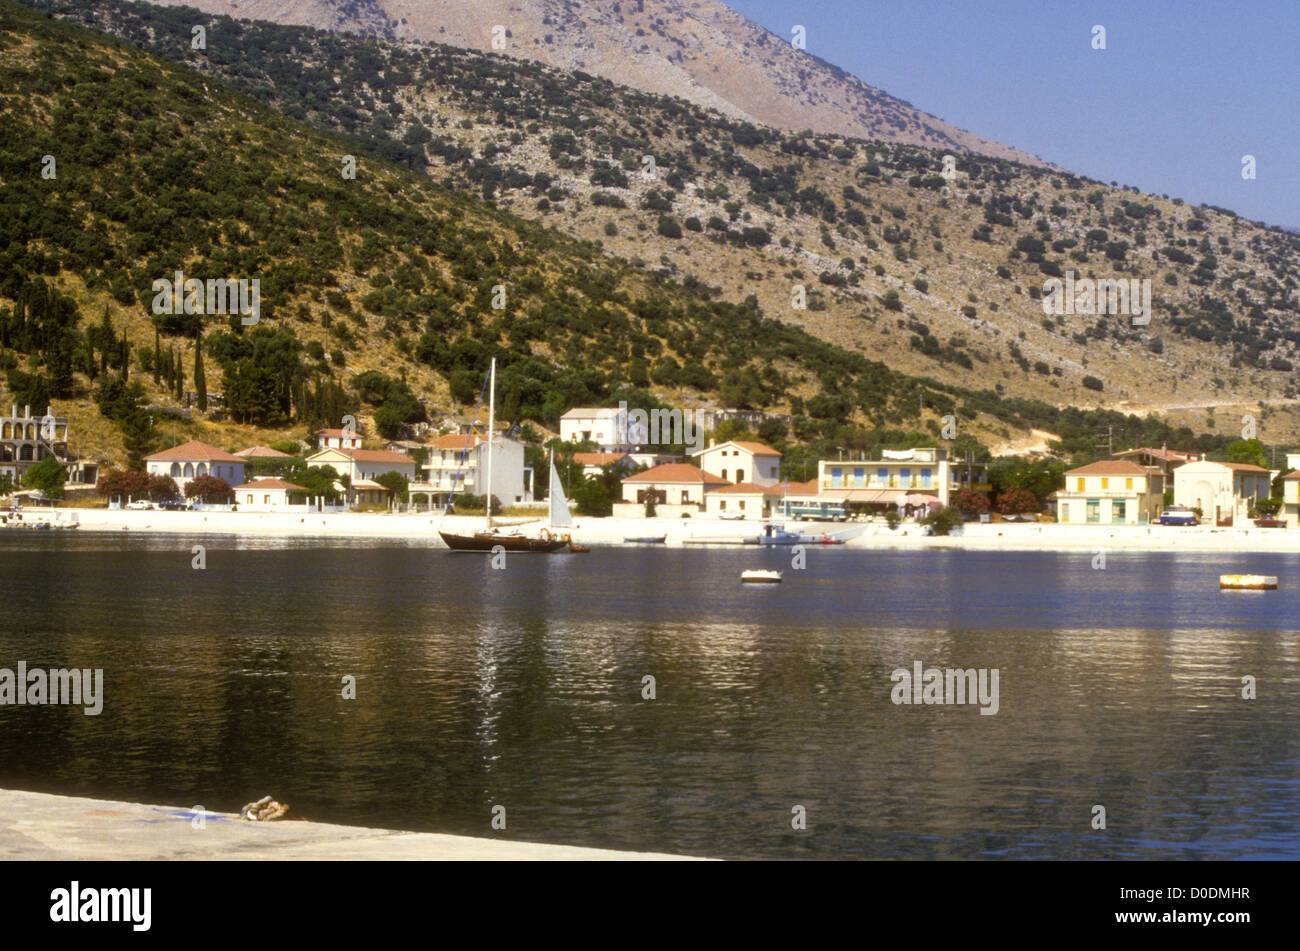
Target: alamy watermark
1107 296
660 427
61 687
189 295
77 904
930 685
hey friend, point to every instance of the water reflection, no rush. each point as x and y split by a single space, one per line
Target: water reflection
523 687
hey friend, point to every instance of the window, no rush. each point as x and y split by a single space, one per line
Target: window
1128 483
740 476
882 476
1118 511
1065 512
724 473
722 505
837 478
266 500
1094 510
1079 487
742 505
859 478
1105 483
249 498
925 478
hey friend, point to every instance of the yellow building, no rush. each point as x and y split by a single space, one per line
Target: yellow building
1111 492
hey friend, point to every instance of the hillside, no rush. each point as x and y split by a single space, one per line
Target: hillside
376 292
698 50
939 278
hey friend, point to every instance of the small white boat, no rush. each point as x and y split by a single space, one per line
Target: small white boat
1250 582
760 576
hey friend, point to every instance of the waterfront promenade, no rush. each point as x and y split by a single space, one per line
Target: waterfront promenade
995 536
40 827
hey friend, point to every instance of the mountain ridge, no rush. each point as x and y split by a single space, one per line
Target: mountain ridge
700 50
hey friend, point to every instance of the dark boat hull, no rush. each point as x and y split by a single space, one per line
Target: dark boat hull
516 543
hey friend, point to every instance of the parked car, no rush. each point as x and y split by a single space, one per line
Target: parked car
1270 523
140 504
1179 517
172 506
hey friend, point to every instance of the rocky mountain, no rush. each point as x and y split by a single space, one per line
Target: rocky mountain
699 50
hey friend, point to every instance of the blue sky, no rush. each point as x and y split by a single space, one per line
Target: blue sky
1182 91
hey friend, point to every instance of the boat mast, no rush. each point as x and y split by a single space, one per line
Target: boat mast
550 481
492 426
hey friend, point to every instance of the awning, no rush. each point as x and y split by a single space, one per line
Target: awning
874 496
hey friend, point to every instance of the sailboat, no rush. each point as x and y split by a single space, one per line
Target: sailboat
490 539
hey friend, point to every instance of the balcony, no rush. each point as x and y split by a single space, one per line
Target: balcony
875 484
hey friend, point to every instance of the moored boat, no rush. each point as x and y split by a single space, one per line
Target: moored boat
491 540
514 541
760 576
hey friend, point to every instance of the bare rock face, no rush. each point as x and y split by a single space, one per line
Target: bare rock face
700 50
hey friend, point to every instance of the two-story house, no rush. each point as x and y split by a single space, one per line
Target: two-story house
337 439
1111 492
192 459
736 462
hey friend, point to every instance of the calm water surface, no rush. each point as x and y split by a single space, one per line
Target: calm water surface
523 688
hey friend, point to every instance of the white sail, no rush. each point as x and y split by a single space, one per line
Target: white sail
560 517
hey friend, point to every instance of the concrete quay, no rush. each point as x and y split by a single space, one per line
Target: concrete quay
43 827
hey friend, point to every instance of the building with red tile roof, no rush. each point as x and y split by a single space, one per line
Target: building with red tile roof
192 459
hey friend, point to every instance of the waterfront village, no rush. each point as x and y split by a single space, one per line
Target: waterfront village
727 478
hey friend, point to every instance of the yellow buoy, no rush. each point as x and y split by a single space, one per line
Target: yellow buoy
1253 582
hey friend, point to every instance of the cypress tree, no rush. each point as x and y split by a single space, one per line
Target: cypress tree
157 358
200 379
106 338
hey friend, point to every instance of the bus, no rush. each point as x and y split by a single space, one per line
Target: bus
811 511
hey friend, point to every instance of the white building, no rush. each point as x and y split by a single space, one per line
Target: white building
194 458
267 495
459 463
741 500
608 428
1223 491
26 440
676 488
1290 511
737 462
363 464
919 474
337 439
593 463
